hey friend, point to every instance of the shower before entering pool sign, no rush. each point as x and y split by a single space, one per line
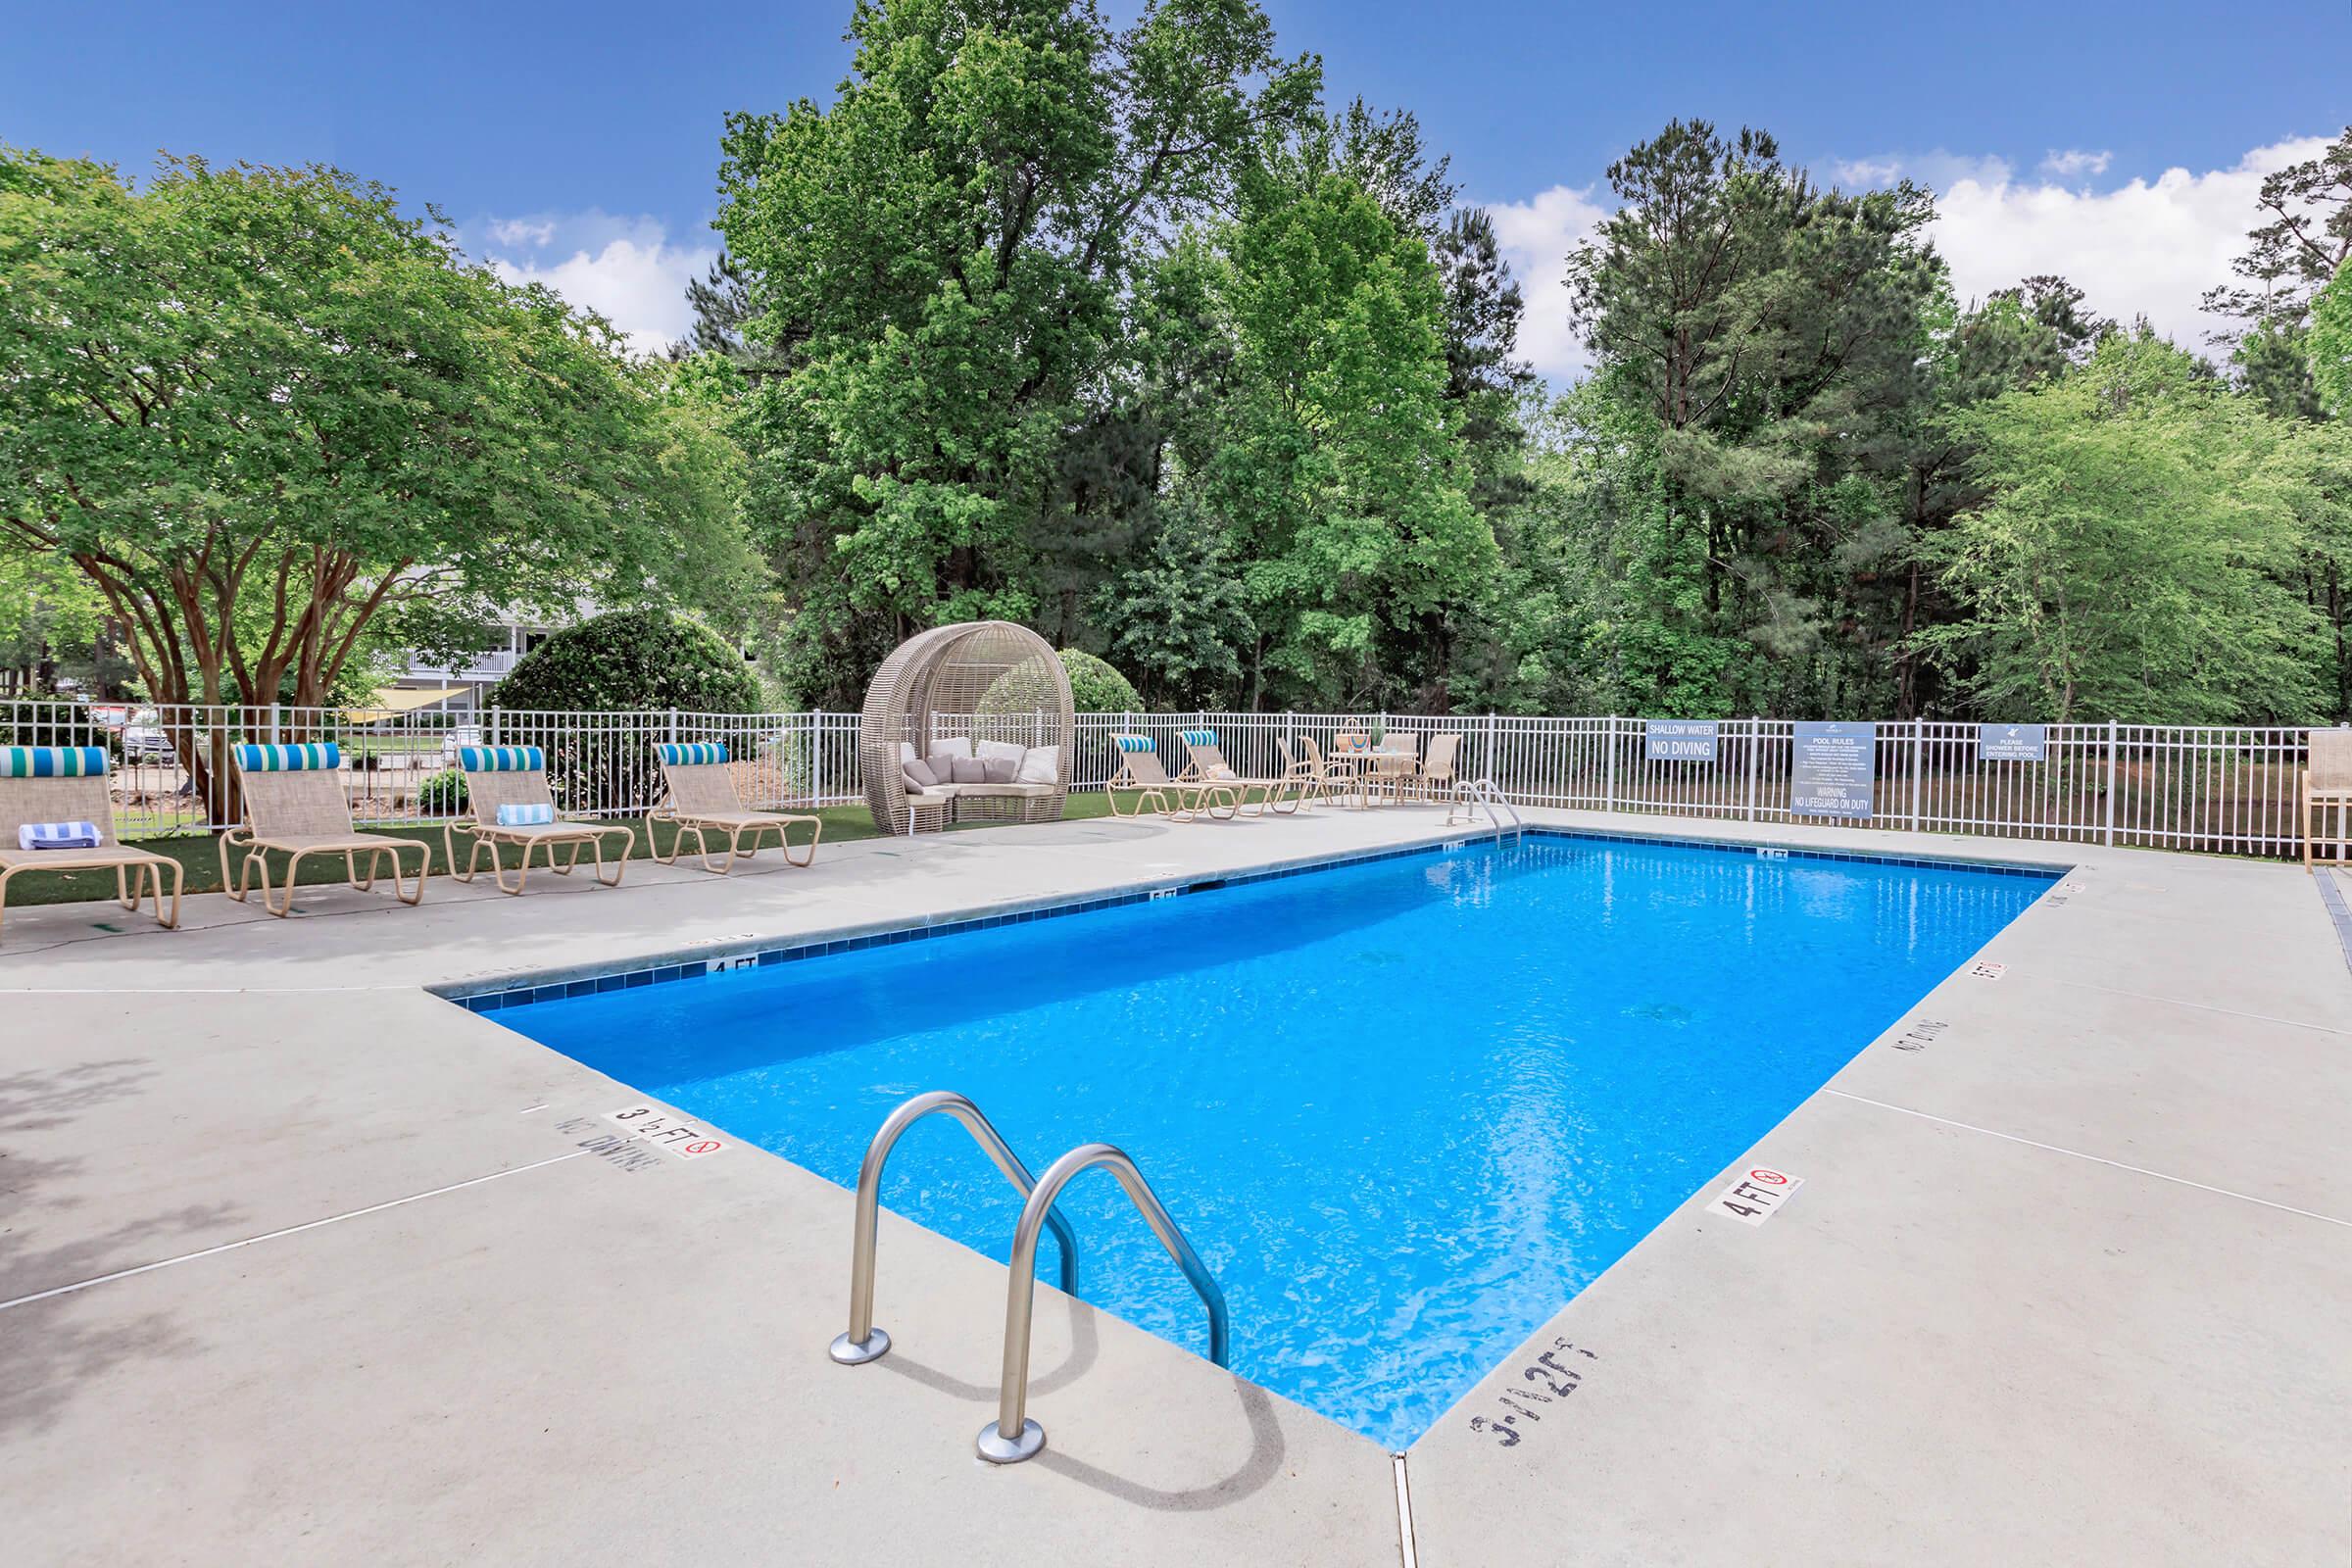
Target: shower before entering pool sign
1757 1196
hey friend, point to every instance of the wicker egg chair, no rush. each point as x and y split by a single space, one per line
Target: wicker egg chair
985 680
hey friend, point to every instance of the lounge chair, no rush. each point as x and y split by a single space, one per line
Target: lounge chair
1141 773
56 785
508 803
295 805
700 776
2327 787
1310 781
1207 766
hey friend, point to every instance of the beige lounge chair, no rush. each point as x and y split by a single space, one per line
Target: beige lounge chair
512 781
2327 787
44 784
1141 773
295 805
1207 766
700 776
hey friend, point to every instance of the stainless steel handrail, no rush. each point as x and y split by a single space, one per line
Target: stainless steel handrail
863 1342
1481 791
1012 1437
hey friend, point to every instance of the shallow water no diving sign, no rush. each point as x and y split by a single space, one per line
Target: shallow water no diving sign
1757 1196
653 1125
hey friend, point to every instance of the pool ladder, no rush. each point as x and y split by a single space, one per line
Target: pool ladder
1473 795
1011 1436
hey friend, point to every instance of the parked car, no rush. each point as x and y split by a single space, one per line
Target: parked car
459 735
144 740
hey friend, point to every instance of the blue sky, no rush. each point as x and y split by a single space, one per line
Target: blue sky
586 135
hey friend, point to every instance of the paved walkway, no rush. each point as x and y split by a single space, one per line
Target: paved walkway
298 1263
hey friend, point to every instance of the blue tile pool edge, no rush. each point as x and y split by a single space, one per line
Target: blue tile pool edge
553 985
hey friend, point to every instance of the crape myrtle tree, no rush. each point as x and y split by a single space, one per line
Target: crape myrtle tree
258 409
950 247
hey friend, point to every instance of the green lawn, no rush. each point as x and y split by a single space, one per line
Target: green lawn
196 851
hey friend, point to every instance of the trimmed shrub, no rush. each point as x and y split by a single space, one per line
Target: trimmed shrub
631 661
442 795
1095 687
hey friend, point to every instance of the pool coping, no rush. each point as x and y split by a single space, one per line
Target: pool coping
498 993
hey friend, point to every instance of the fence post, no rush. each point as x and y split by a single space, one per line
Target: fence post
1755 757
817 759
672 735
2112 775
1608 754
276 737
1491 749
1919 760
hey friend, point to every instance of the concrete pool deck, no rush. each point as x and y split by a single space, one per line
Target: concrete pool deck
299 1262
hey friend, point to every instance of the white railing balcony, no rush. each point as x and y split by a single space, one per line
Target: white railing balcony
492 665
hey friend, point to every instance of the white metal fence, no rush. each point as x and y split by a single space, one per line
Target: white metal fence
2231 790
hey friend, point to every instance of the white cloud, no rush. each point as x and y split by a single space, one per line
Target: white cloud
2145 247
2074 160
1535 237
626 269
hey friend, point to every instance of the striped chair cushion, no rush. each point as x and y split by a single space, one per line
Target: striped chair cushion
532 814
319 757
693 754
59 836
1199 737
502 759
1136 743
52 762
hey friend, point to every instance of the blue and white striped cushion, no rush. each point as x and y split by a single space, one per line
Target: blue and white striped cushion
58 836
693 754
1199 737
52 762
502 759
1136 743
534 815
319 757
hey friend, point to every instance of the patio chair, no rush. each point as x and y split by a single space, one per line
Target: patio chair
1141 773
1437 767
1307 779
702 799
1207 766
2326 786
1395 765
508 805
1339 781
64 788
295 805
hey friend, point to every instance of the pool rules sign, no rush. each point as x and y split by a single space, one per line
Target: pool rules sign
1834 766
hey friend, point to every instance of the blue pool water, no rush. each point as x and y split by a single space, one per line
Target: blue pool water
1405 1109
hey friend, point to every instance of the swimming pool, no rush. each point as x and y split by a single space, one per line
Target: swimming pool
1405 1109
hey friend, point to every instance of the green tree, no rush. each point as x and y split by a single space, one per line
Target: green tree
2330 343
947 247
2134 557
258 409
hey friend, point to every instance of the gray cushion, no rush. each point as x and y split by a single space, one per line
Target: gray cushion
918 772
915 785
1000 769
970 771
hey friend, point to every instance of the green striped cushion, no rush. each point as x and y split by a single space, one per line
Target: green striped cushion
693 754
1135 743
319 757
1199 737
52 762
502 759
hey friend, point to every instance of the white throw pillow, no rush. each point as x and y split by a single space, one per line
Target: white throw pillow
906 752
953 745
1040 765
1001 751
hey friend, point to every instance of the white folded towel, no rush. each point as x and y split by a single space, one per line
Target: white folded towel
58 836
